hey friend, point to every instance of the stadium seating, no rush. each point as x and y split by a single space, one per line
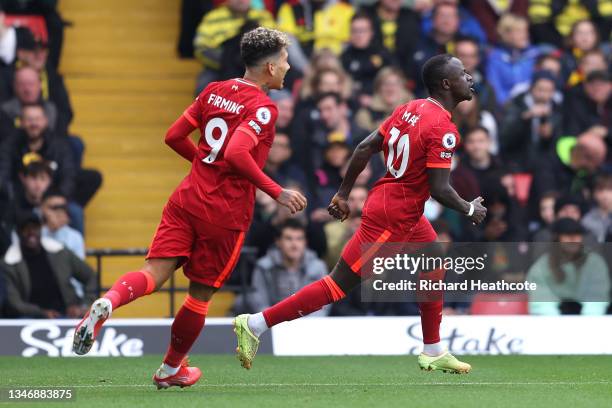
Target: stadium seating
127 87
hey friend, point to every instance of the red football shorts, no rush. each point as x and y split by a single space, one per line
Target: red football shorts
369 238
208 253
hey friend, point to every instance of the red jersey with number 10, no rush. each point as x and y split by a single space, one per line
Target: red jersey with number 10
418 135
212 191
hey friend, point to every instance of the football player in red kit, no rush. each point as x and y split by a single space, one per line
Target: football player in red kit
204 222
418 141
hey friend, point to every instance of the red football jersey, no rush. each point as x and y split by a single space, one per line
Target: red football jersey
212 191
417 135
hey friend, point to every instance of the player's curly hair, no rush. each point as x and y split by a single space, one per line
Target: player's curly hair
261 43
434 70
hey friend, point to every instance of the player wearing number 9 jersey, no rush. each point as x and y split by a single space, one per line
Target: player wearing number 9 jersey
205 220
418 141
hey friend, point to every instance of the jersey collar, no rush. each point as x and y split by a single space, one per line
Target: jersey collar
246 82
432 100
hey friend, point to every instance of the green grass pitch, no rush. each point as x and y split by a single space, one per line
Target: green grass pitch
379 382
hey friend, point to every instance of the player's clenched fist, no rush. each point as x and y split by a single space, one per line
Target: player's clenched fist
480 211
294 200
339 208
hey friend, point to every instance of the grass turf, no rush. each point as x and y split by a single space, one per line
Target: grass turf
496 381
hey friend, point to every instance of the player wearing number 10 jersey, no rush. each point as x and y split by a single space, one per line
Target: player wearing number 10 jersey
418 141
205 220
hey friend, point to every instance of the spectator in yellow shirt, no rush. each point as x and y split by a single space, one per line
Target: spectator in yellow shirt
317 24
217 29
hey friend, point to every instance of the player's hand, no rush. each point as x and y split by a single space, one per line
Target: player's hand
480 211
294 200
339 208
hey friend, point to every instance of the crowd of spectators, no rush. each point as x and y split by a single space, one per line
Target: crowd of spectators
536 140
43 187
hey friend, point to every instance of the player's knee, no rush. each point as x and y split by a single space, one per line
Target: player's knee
201 292
160 270
344 276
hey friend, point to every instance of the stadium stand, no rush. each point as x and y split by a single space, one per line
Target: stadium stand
536 138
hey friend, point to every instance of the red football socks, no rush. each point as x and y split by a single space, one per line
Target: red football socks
129 287
431 317
430 306
187 325
305 301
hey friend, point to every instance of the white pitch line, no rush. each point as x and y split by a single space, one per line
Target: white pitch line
263 385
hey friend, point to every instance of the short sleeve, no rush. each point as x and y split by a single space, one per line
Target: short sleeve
259 122
441 144
193 113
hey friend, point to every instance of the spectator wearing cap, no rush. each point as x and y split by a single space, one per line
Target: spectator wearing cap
588 107
511 63
570 278
598 220
550 63
28 90
38 273
363 58
55 218
531 124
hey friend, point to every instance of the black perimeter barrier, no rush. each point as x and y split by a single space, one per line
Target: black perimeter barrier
239 281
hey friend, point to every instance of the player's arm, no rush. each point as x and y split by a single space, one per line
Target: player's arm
237 155
441 190
177 136
359 160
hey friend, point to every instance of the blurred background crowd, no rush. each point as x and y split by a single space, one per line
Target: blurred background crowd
536 140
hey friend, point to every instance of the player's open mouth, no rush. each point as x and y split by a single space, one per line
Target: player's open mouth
472 90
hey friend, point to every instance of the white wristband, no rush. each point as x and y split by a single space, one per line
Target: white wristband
471 211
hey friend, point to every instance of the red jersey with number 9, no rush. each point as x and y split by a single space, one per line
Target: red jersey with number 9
418 135
212 191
